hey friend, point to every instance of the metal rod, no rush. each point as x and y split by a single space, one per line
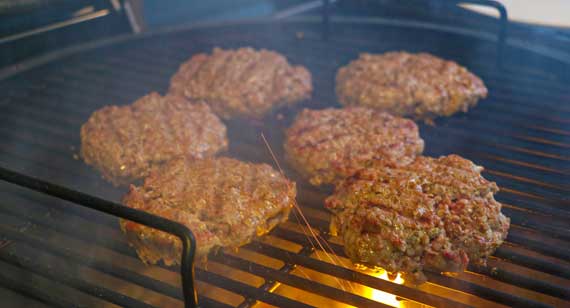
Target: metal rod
10 279
354 276
185 235
36 262
503 23
54 26
247 290
518 255
297 281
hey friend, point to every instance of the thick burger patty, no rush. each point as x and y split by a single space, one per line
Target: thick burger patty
330 144
225 202
435 214
244 82
418 85
125 142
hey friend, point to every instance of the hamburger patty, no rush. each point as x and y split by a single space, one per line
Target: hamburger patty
225 202
243 82
434 214
330 144
125 142
418 85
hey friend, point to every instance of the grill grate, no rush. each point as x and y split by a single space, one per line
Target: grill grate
62 254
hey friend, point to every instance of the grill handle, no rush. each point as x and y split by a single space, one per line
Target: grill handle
503 24
112 208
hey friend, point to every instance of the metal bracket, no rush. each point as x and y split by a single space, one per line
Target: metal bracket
112 208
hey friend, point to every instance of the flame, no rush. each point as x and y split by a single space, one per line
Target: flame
381 296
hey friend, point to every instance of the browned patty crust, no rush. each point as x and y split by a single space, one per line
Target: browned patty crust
225 202
435 214
125 142
330 144
242 83
418 85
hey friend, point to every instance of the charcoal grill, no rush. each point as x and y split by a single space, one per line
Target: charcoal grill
62 245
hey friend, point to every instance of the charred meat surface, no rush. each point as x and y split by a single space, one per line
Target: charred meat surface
242 83
125 142
433 214
330 144
225 202
420 85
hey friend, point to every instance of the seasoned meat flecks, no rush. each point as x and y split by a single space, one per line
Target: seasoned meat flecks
330 144
125 142
225 202
433 214
417 85
242 83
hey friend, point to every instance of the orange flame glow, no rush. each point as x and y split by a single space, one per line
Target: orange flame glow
383 297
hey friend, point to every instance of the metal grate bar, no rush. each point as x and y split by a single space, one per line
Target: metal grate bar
517 236
19 299
184 234
536 263
48 222
465 286
350 275
58 273
31 288
522 281
270 284
522 218
247 290
531 205
515 255
57 249
81 229
61 275
111 269
102 239
499 181
296 281
484 292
